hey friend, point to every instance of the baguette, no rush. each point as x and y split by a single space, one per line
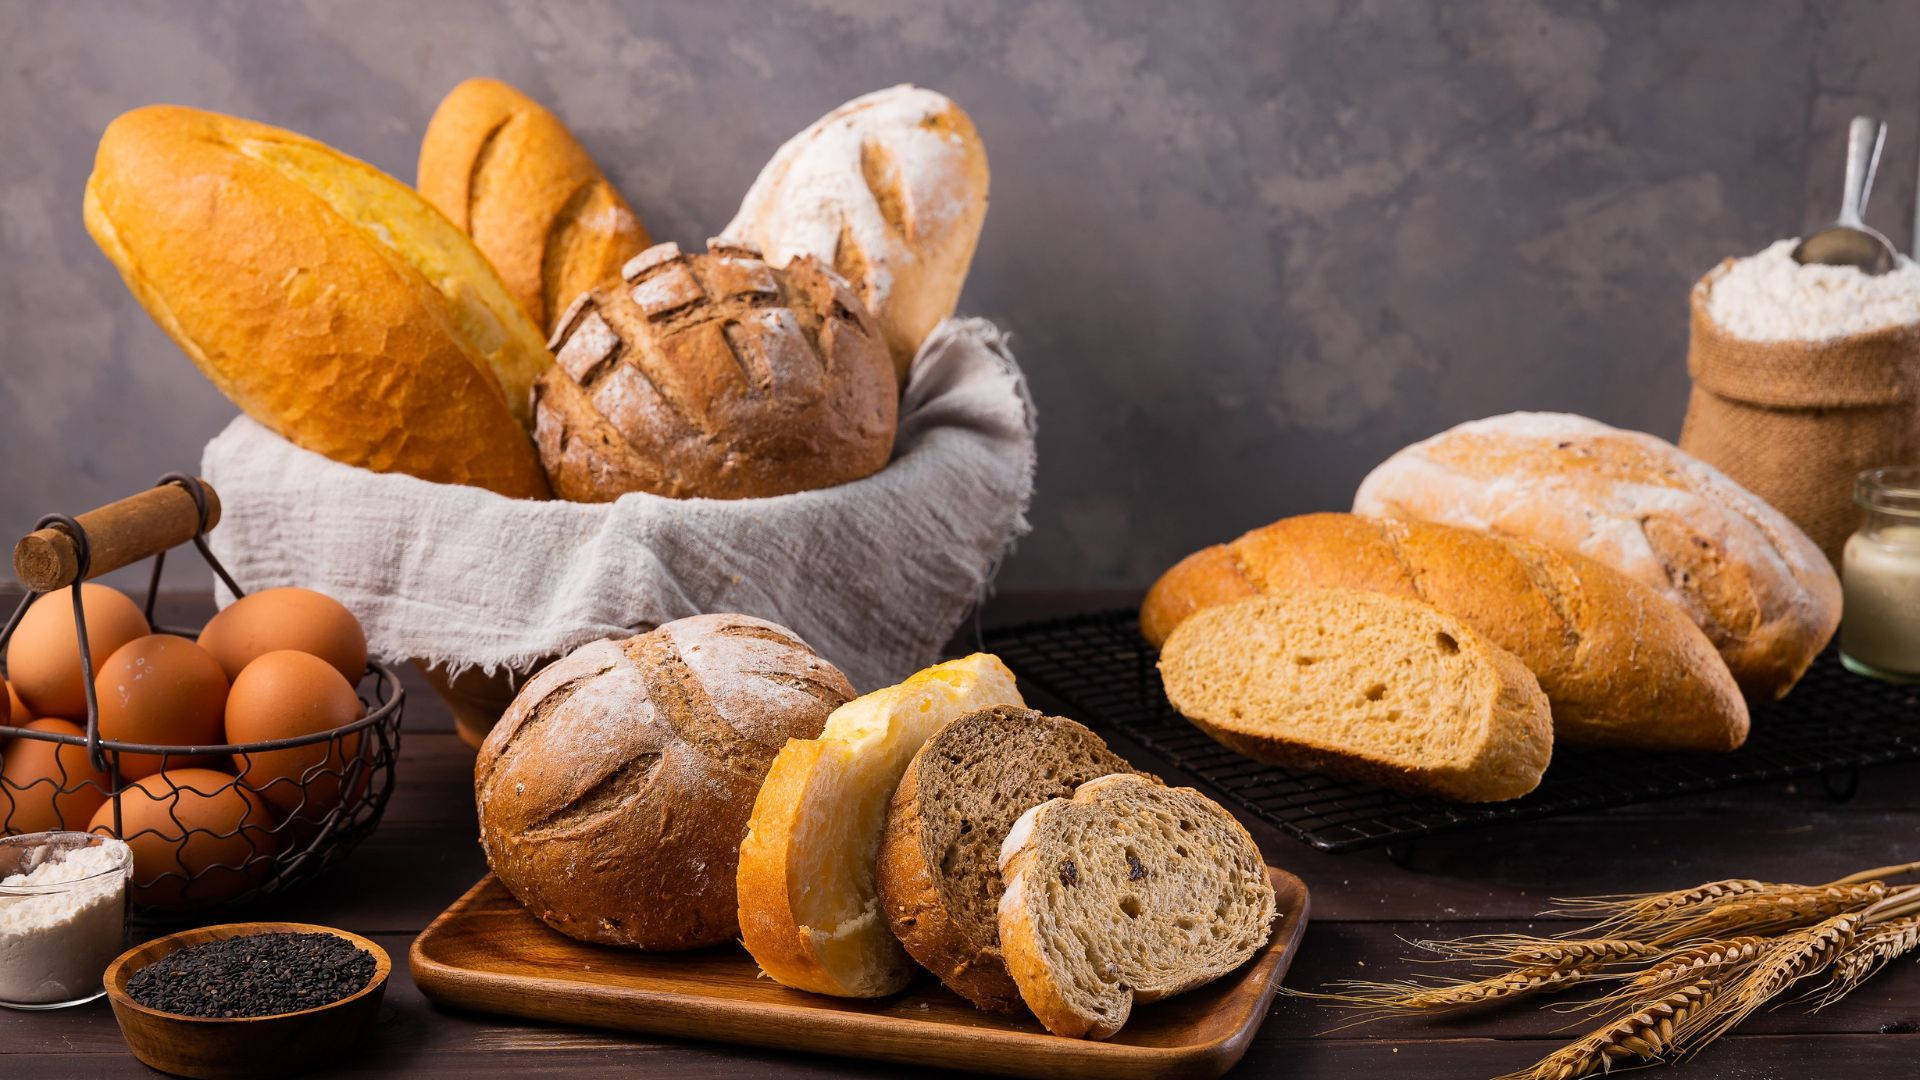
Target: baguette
890 190
809 912
509 174
1362 685
1765 595
1129 892
1621 665
939 869
328 300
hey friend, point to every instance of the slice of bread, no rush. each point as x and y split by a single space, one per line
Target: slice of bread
1128 892
809 912
939 869
1362 685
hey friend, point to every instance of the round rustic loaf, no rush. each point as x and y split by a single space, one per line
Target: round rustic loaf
615 791
715 376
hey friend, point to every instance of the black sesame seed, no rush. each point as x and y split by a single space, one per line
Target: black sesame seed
255 975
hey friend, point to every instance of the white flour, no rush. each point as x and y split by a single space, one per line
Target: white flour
54 945
1769 297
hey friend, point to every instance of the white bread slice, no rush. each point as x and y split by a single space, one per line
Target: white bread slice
1364 685
809 911
1127 892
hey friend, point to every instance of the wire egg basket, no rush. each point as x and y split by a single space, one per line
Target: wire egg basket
213 826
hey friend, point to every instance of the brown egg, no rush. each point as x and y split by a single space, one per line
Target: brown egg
160 689
17 714
288 618
43 658
197 837
281 695
46 785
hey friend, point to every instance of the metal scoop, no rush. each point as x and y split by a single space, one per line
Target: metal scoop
1848 241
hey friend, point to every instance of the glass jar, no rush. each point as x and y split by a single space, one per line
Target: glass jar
1880 619
63 916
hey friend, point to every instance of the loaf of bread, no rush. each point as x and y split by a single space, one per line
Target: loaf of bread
615 791
1761 590
327 299
715 376
890 190
1362 685
809 910
1128 892
939 868
509 174
1620 664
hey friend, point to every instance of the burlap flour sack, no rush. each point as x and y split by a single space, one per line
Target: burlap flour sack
1793 421
875 574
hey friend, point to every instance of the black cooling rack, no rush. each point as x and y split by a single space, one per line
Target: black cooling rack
1102 673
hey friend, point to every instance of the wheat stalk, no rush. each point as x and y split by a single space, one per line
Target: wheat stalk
1646 1034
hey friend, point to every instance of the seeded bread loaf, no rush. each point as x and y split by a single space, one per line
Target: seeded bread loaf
509 174
939 868
1765 595
890 190
1362 685
809 910
327 299
715 376
614 792
1620 664
1129 892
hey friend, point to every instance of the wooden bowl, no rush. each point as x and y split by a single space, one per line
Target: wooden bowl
278 1045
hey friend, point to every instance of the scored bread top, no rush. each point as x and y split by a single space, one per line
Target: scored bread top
509 173
1127 892
1754 582
939 869
715 375
1362 685
615 790
1621 665
325 298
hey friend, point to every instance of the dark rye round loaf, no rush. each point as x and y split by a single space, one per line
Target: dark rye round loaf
939 870
615 791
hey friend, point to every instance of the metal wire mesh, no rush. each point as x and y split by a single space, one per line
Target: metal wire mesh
1101 672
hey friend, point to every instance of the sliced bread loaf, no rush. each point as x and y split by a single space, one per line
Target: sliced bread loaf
939 869
1129 891
809 912
1362 685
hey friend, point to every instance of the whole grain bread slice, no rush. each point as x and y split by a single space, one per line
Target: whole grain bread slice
939 869
1128 892
1362 685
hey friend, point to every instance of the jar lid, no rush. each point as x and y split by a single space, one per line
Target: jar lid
1892 489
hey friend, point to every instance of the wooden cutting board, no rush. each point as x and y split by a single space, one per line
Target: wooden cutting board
486 953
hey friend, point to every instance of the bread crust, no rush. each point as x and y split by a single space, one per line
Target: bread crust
889 189
1622 666
509 174
715 376
308 287
1753 581
614 792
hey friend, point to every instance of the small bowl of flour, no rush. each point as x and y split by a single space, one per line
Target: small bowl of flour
63 916
1769 297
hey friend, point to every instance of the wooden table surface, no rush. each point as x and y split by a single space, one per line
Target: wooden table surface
425 855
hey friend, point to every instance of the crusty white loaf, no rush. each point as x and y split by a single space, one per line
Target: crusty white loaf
890 190
1766 597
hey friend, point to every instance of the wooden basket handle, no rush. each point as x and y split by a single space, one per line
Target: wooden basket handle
118 534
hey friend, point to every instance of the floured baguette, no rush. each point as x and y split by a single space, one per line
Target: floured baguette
1127 892
1362 685
939 868
809 912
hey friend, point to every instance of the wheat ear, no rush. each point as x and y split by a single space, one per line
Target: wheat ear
1772 912
1709 959
1520 950
1871 950
1646 1034
1790 959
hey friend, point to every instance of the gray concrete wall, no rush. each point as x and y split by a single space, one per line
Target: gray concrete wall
1247 249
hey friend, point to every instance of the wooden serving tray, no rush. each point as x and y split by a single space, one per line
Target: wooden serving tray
487 953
